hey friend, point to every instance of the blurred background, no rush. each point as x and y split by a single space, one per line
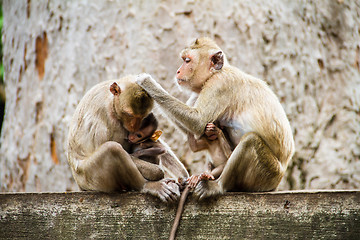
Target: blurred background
54 51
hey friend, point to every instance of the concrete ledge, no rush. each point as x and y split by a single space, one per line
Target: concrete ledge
88 215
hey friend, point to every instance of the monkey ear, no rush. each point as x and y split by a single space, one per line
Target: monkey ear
115 89
217 60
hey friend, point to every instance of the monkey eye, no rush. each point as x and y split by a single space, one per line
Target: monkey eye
187 60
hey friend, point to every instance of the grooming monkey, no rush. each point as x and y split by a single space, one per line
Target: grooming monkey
244 105
98 146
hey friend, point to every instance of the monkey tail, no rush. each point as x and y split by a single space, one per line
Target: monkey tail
179 212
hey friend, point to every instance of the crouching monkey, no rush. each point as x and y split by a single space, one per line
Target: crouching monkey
98 146
245 106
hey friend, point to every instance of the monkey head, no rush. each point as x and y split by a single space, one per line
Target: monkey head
147 130
200 61
131 105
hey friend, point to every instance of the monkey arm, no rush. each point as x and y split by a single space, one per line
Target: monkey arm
187 116
151 152
194 119
150 171
197 144
179 125
216 172
172 166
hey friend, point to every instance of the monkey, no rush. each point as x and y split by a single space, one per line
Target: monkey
215 141
144 141
218 147
244 105
144 146
97 146
147 145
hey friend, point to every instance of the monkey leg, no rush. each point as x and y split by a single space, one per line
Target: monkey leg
252 166
150 171
111 168
195 179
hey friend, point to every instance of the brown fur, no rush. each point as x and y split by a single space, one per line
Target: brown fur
250 112
140 101
144 148
215 142
98 146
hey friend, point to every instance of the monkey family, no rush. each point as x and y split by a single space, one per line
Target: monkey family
98 146
250 144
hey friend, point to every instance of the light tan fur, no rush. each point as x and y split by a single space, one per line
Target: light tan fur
244 105
98 147
215 142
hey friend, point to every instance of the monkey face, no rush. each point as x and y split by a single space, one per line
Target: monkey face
198 66
130 121
131 105
141 134
184 74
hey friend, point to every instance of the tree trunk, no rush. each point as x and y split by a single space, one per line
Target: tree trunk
54 51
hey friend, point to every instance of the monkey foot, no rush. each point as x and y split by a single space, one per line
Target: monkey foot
167 191
194 180
207 189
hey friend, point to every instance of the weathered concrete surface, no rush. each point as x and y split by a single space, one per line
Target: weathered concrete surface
85 215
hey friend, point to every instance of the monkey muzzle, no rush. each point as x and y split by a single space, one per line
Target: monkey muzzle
181 81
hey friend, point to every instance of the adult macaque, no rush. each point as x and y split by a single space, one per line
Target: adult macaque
244 105
98 146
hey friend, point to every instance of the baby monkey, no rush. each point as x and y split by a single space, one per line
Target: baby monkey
219 148
144 146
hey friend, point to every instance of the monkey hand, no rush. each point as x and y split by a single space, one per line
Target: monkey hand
207 189
211 131
143 77
206 176
167 191
195 179
145 80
